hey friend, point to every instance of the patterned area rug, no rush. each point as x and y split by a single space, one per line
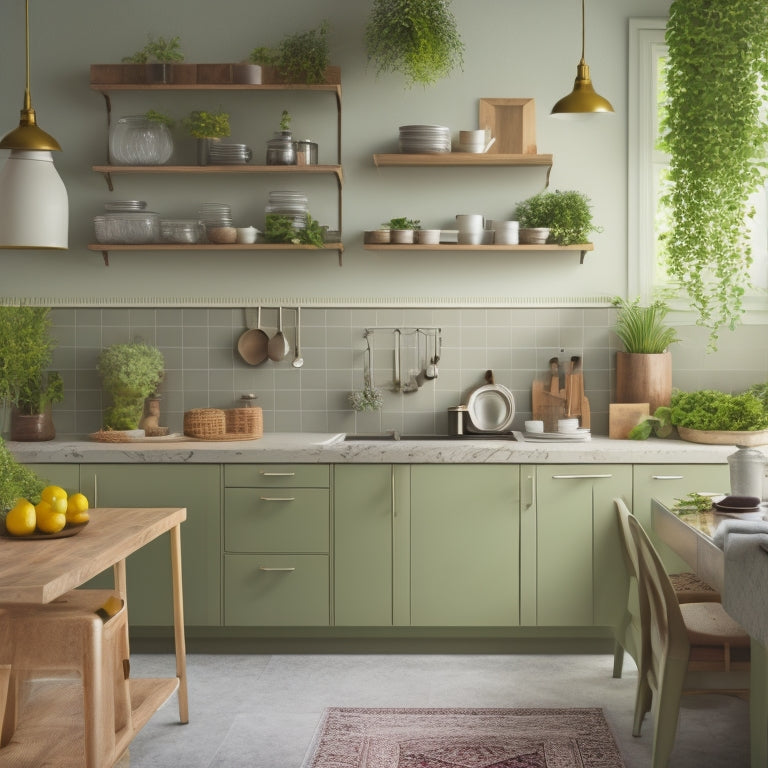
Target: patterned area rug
463 738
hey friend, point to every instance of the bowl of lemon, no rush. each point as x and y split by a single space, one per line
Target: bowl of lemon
57 515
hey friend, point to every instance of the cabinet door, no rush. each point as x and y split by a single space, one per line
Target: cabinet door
66 476
198 489
579 565
667 482
371 511
465 559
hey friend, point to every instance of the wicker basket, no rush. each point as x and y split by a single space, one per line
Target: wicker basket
245 421
205 423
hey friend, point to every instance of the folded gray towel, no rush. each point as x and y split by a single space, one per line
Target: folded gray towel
745 596
733 525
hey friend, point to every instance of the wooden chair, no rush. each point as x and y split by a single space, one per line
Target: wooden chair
688 588
685 648
85 632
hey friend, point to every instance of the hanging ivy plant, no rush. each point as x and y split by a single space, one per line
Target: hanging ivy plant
716 85
418 38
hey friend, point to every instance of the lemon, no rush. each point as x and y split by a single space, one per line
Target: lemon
48 520
51 492
77 508
22 519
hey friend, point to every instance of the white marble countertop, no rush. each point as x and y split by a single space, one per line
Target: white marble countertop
317 448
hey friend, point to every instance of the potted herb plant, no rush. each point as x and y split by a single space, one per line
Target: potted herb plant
159 54
401 230
130 373
566 215
644 368
26 384
207 127
16 480
302 57
416 38
717 156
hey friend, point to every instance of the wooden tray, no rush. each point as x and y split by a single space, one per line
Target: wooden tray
70 529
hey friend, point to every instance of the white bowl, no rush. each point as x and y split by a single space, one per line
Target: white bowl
535 426
428 236
567 425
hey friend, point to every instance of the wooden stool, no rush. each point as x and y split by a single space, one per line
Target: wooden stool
86 632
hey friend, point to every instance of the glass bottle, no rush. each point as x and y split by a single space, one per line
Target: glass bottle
135 140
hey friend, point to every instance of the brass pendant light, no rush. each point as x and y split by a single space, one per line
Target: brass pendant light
583 100
34 210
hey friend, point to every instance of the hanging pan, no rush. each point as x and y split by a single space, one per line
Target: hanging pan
252 344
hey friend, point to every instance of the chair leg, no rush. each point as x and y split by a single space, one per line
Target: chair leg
643 700
618 658
668 711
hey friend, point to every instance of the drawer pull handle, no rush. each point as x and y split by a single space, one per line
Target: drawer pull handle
265 568
579 477
666 477
278 474
277 498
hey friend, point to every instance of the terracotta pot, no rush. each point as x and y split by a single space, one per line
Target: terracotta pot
644 378
37 427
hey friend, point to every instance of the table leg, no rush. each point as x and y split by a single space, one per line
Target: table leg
758 705
178 624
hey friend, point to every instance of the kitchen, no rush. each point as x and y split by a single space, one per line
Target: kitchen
508 312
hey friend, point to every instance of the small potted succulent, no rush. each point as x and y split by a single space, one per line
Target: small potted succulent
130 373
401 230
207 127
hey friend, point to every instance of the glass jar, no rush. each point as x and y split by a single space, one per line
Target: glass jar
134 140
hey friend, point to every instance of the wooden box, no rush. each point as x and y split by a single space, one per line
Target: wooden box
623 417
272 76
512 123
214 74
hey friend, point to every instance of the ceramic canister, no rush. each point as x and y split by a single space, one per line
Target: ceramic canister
747 467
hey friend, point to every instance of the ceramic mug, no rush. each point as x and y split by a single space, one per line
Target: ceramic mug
470 222
247 234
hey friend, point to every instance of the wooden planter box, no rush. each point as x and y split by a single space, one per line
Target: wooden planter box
272 76
141 74
214 74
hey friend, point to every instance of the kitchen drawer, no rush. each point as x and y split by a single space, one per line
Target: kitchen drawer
274 520
296 593
277 475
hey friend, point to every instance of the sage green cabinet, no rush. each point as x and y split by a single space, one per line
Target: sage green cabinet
571 524
277 524
198 488
66 476
371 544
465 541
667 482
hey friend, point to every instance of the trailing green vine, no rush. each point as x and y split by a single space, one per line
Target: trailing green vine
716 76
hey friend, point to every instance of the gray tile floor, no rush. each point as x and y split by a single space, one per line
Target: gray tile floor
261 711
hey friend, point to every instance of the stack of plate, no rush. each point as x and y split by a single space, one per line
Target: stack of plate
426 139
122 206
291 204
215 214
229 154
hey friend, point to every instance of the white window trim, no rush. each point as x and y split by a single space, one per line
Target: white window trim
646 36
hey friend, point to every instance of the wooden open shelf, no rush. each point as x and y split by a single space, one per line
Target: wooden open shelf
582 248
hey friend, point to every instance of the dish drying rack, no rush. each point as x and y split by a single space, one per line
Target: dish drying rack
415 353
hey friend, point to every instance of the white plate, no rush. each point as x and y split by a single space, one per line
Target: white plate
580 435
491 408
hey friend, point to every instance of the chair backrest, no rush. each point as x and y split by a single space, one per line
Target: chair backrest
628 543
667 636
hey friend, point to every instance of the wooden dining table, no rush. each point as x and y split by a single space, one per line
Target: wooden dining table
691 536
40 570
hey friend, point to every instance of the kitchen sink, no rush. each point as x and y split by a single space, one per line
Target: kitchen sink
397 436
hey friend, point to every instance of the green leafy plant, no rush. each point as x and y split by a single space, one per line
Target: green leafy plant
159 50
710 409
285 120
642 329
16 481
159 117
417 38
660 425
208 125
567 214
280 229
129 373
368 398
26 349
300 58
714 130
693 502
402 223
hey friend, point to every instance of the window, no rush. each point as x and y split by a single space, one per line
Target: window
647 167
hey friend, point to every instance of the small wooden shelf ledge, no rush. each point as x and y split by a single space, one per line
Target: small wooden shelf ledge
106 248
464 159
582 248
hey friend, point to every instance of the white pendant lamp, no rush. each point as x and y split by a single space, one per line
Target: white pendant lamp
34 210
583 100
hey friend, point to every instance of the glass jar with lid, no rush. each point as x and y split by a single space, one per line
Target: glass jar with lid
136 140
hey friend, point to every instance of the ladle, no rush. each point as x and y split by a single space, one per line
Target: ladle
278 346
298 360
252 344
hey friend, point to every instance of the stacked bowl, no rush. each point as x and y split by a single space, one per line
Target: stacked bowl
472 229
506 232
427 139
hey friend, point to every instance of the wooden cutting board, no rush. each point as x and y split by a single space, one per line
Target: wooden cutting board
622 417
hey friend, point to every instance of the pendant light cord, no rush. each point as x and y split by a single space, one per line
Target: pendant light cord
583 27
27 97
